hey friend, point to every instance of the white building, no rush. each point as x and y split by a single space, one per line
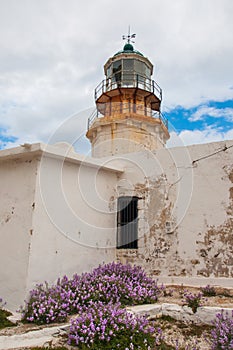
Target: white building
169 210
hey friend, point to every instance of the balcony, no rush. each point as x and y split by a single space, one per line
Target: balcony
120 108
111 87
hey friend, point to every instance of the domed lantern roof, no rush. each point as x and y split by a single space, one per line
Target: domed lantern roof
128 48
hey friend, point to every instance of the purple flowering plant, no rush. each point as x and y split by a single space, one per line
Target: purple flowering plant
109 326
208 291
222 333
193 300
110 283
47 304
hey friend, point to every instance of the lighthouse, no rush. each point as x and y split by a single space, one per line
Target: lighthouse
128 114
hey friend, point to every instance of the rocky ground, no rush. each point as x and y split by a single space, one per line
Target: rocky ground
174 294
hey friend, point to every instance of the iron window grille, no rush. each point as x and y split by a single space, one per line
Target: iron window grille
127 222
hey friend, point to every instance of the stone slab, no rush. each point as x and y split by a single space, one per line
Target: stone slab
204 315
31 339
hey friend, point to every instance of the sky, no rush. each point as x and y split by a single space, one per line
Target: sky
52 54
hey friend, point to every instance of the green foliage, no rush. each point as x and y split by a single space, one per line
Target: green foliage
4 322
48 348
122 342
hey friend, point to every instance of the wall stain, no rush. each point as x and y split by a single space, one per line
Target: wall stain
216 251
159 252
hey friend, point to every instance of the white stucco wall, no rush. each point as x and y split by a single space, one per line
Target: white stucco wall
74 229
55 218
17 191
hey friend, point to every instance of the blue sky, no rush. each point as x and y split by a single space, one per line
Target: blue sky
214 114
6 139
53 52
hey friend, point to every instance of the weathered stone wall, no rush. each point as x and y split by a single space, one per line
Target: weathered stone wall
185 213
124 133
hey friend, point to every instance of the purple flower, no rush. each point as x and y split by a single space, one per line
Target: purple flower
208 291
106 324
192 300
110 283
222 333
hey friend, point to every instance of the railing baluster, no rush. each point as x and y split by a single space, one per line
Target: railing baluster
138 81
108 84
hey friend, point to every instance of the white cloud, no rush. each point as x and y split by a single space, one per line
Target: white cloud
191 137
53 52
226 113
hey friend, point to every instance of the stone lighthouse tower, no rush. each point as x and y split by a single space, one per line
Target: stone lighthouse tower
127 117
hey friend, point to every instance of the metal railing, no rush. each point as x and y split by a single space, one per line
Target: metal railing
128 80
120 109
92 118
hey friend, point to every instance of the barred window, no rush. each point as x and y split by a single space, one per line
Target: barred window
127 223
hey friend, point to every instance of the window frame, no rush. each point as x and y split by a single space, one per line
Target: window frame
127 222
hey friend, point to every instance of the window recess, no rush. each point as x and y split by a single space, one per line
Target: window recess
127 222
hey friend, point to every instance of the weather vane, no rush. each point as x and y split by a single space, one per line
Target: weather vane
129 37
